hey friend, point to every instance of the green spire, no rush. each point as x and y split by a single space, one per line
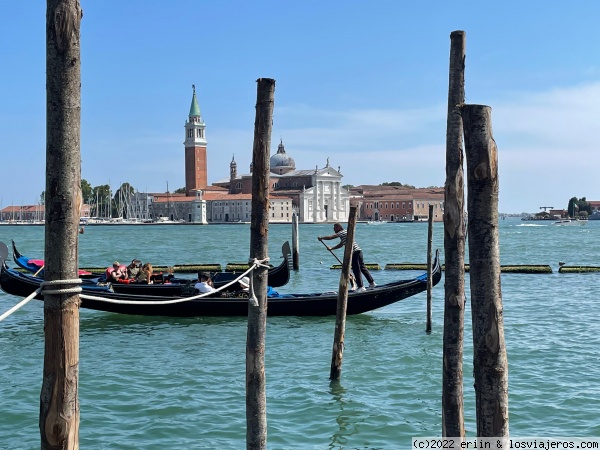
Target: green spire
194 108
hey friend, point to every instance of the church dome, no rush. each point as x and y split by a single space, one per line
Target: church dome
281 160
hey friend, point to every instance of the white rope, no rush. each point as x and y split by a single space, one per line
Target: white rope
45 291
73 290
20 304
251 295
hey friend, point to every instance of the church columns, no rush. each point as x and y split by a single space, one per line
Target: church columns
316 203
323 211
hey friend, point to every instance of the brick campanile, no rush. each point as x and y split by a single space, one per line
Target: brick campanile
196 176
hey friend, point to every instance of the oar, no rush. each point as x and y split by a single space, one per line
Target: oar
39 270
352 280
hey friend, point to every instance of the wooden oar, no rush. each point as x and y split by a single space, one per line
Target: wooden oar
39 270
352 280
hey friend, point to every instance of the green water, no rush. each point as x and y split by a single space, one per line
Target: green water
158 383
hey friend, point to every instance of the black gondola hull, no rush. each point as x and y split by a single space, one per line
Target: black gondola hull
277 276
320 304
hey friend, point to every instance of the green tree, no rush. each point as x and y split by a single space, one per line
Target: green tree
577 207
122 199
101 199
180 191
86 191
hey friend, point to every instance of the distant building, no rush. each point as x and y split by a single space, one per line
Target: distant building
196 173
31 213
397 203
316 195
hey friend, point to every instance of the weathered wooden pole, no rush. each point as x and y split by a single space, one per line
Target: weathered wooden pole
256 398
429 269
59 402
342 301
295 243
490 364
454 248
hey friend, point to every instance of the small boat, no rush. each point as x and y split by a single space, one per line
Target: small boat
277 276
103 298
570 222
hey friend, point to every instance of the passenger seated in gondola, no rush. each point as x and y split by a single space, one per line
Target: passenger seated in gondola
116 272
170 274
134 269
145 275
244 287
204 284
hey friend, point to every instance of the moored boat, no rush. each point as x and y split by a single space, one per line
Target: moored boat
277 276
103 298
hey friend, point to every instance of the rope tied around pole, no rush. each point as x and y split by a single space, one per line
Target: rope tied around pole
71 290
252 299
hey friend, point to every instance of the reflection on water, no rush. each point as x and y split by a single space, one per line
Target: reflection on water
347 419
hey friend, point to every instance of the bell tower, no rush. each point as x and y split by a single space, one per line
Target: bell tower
196 176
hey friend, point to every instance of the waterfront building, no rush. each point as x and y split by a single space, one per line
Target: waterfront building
397 203
31 213
196 173
315 195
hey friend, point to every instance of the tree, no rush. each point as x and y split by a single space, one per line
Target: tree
86 191
121 200
578 206
43 198
102 198
180 191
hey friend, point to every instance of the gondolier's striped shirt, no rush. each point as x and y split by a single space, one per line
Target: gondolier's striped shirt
343 235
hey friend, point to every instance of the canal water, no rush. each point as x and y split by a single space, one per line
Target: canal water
172 383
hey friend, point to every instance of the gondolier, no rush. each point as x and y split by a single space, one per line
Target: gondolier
358 263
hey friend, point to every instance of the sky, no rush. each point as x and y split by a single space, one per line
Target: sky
364 84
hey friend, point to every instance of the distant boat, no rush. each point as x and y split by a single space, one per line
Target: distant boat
376 222
570 222
595 215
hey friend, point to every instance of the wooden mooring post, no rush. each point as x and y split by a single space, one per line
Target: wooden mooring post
490 365
342 301
429 269
59 402
295 243
256 399
454 248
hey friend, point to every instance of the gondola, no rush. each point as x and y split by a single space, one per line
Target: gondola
277 276
316 304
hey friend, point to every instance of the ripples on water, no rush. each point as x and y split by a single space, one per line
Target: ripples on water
157 383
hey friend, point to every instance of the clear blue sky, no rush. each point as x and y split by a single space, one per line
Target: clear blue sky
364 84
